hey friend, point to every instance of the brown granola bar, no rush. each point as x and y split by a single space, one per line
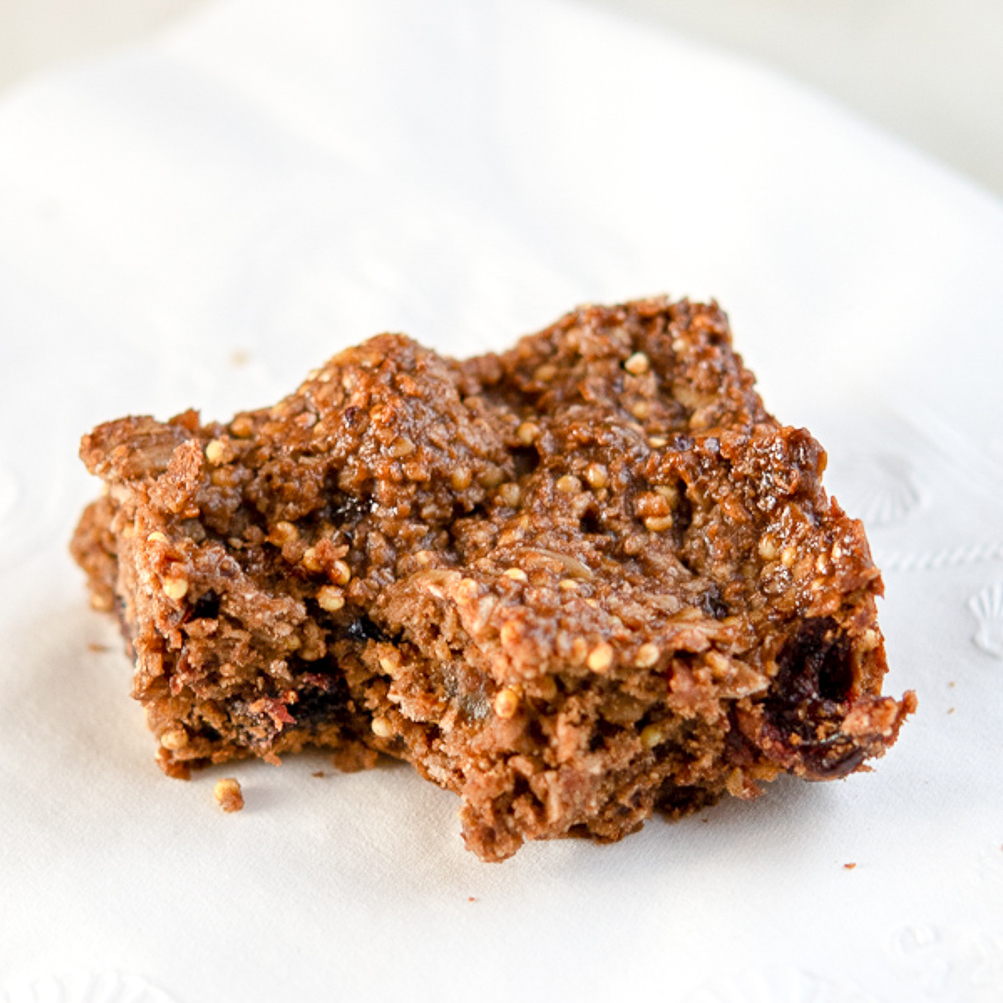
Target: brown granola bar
575 582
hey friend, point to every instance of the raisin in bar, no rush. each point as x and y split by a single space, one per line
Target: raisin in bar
575 582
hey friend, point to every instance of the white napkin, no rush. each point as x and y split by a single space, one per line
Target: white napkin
202 220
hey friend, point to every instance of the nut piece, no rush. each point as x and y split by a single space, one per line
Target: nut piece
597 475
509 494
652 736
638 364
174 739
330 598
658 523
390 662
283 532
506 702
228 794
460 478
215 452
382 728
341 573
402 446
647 656
600 657
310 561
768 549
528 432
175 587
242 426
568 484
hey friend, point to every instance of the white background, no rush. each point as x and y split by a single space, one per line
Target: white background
929 71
